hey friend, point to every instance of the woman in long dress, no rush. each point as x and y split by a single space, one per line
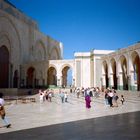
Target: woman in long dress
88 100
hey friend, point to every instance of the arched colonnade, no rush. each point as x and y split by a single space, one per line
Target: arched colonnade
55 74
121 69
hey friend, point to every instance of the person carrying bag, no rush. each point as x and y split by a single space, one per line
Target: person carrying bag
2 112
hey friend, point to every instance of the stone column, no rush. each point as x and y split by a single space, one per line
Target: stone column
24 78
131 76
10 75
104 81
59 80
129 82
130 71
18 78
132 81
120 84
111 82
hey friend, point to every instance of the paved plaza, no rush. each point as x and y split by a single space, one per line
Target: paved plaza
56 120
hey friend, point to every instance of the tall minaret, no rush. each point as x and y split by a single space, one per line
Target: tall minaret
61 49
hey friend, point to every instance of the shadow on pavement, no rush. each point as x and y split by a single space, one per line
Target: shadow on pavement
116 127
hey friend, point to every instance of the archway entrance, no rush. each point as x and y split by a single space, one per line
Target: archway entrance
136 67
4 67
66 76
30 77
113 65
52 79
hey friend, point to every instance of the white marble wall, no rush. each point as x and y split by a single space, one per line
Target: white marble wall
25 42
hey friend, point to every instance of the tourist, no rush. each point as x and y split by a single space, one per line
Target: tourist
46 92
90 92
66 97
71 90
83 90
88 100
41 96
115 98
122 99
94 91
50 95
106 96
110 96
78 92
61 94
2 111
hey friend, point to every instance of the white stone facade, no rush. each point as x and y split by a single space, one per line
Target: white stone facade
88 68
25 47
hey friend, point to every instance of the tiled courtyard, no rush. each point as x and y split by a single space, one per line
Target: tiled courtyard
31 116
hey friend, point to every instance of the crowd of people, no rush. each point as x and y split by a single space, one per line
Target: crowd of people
110 95
47 95
110 98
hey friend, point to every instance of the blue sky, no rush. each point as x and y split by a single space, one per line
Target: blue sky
83 25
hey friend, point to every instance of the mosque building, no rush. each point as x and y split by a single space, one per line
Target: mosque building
30 59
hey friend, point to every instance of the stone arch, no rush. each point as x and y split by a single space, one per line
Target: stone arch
64 69
114 73
52 76
135 58
105 72
5 41
39 52
4 67
54 54
123 72
8 29
53 65
30 83
9 37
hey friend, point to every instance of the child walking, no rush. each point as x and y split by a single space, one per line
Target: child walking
122 99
